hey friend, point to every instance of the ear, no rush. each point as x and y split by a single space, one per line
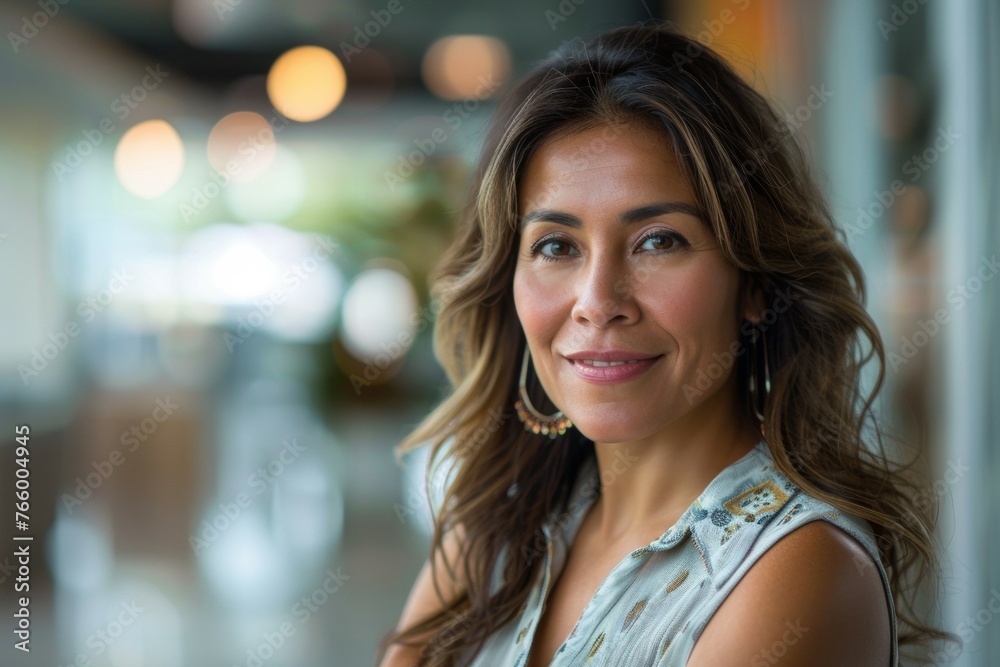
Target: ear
751 298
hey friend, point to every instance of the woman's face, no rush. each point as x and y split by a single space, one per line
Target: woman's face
614 265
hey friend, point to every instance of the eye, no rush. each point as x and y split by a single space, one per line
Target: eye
557 248
662 241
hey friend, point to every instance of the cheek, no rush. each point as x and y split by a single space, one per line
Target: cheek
698 302
536 302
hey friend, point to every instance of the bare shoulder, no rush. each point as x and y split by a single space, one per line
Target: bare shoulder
814 598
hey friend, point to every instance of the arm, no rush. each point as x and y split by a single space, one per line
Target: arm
814 599
424 601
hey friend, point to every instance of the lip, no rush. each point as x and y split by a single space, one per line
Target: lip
642 362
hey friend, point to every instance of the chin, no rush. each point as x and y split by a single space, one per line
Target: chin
623 428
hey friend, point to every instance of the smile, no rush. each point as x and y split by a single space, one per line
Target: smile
611 372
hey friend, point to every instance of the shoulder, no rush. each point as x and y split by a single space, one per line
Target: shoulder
814 597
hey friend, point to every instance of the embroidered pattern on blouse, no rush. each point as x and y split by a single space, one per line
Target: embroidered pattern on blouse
634 614
764 498
701 552
791 513
597 645
676 583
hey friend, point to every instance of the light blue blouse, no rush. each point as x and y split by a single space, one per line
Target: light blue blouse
652 606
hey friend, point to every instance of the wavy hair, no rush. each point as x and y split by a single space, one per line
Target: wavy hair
751 178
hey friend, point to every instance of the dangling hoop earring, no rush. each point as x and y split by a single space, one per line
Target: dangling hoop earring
755 399
534 421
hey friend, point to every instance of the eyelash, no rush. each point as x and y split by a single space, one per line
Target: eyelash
679 243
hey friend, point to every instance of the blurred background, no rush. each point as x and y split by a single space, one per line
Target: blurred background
217 221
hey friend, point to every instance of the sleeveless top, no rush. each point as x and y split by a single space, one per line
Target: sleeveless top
652 606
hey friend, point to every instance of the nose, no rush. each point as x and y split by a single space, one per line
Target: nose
605 293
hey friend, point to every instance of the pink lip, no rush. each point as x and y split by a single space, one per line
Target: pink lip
610 374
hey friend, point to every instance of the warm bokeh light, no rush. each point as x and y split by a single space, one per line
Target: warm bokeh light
149 158
306 83
466 66
241 146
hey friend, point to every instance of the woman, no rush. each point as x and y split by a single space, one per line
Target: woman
650 291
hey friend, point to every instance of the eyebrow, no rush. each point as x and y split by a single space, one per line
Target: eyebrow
630 216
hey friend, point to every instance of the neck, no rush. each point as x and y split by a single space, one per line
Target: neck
647 484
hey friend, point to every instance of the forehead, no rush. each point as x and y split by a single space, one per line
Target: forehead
600 164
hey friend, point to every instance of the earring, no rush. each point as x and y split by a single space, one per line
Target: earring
534 421
758 402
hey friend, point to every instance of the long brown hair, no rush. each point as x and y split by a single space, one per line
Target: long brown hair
751 178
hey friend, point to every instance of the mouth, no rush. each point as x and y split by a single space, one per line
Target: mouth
601 371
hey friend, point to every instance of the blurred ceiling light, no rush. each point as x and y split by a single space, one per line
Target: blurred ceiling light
466 66
274 196
306 83
219 249
149 158
241 146
379 316
243 272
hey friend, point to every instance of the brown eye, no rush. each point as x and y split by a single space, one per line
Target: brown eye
552 248
557 248
662 241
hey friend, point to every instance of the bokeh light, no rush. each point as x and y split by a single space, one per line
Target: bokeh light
243 271
306 83
466 66
379 315
241 146
149 158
